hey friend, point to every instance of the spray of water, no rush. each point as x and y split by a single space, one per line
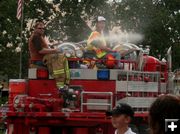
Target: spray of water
124 37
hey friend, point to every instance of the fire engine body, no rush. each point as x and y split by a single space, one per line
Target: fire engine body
36 106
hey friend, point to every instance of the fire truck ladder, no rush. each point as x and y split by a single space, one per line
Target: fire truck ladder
109 104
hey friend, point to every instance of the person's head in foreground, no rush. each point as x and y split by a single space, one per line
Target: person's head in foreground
100 23
164 107
122 115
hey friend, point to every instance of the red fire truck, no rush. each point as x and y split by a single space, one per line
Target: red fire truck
36 106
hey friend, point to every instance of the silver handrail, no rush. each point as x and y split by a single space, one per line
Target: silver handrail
97 104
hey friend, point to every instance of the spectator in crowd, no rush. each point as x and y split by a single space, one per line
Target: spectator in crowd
122 115
164 107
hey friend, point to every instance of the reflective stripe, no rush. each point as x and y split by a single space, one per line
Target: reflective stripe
67 81
61 71
68 74
100 53
92 36
60 84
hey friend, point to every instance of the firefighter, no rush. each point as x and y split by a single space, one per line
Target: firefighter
96 41
41 55
122 115
38 47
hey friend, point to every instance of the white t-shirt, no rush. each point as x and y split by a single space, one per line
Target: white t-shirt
129 131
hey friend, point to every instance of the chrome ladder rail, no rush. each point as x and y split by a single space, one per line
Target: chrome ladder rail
110 104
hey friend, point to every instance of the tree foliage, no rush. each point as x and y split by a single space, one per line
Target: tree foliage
68 20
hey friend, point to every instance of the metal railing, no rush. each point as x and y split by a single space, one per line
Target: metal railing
110 104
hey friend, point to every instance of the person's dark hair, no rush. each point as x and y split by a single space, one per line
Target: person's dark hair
38 22
121 108
164 107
